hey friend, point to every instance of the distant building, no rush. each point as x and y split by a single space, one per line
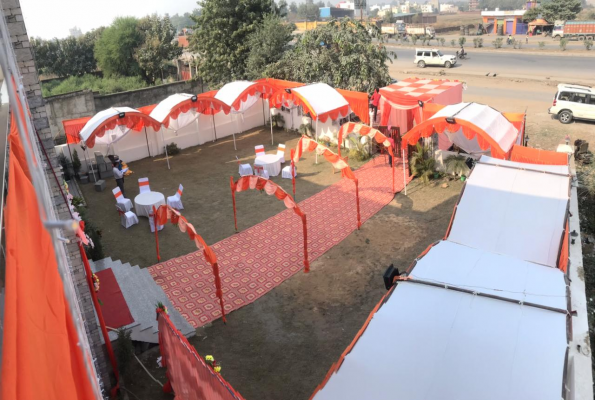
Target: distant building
405 8
505 22
435 4
473 5
427 8
334 12
349 5
448 8
75 32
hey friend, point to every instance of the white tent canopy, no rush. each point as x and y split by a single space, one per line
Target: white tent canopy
165 107
492 122
429 342
514 209
322 98
111 136
229 93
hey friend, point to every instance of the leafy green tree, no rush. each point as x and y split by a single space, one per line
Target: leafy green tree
158 47
267 45
185 20
293 7
564 10
282 9
308 11
344 54
532 14
220 36
115 48
66 57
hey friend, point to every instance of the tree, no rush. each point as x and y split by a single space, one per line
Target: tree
282 9
532 14
267 45
293 7
158 46
374 13
220 35
66 57
184 21
564 10
115 49
345 54
308 11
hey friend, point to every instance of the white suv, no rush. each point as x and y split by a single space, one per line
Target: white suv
573 102
425 57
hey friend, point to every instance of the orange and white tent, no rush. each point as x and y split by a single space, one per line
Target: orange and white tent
241 95
176 111
475 128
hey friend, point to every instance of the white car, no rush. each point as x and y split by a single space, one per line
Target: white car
425 57
573 102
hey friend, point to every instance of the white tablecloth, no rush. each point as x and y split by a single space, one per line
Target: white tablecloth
144 202
270 162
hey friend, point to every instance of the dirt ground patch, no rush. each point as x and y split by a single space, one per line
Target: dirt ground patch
282 345
204 171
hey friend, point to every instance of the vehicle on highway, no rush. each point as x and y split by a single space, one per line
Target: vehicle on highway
573 102
420 30
579 30
433 57
397 29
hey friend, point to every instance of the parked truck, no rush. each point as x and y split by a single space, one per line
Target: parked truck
392 30
579 30
420 30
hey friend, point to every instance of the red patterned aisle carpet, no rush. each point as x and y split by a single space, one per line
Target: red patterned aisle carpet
256 260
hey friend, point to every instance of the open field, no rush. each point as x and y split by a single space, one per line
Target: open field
456 20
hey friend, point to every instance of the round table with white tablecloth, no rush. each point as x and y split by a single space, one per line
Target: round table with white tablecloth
144 202
270 162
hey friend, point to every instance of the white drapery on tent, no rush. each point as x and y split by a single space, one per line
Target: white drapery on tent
167 112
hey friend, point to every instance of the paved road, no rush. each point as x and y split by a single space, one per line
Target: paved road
565 68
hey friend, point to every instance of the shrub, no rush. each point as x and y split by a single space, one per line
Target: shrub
278 120
541 45
517 44
498 43
95 83
306 129
588 44
563 44
124 351
414 39
173 149
442 40
456 165
422 164
64 163
359 151
462 40
76 162
77 201
453 42
479 42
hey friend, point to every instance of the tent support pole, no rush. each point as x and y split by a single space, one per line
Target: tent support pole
271 119
316 135
147 139
404 176
234 132
88 165
264 118
165 147
197 128
214 128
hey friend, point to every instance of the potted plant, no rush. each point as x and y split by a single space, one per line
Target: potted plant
76 163
422 165
278 121
456 165
306 129
358 151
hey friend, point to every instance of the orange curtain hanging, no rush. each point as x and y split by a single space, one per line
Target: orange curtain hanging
254 182
530 155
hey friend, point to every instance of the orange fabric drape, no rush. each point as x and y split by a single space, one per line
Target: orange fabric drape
187 373
254 182
282 98
563 261
358 101
134 121
166 213
530 155
72 127
41 357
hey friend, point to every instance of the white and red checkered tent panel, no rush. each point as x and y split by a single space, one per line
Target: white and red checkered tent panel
399 102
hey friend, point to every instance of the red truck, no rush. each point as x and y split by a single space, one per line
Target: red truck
580 30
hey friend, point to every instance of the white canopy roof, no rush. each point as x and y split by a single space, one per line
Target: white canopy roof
321 97
429 342
486 118
164 108
111 136
231 91
514 209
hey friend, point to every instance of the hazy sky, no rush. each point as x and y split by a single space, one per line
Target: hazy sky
54 18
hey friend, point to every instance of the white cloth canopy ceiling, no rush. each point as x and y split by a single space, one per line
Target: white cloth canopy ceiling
514 209
229 93
164 108
110 136
429 342
484 117
322 98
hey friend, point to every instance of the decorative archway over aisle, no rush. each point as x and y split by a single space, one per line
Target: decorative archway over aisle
166 213
364 130
307 144
271 188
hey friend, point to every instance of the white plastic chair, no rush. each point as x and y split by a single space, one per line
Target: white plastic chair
260 171
143 185
259 150
175 201
152 223
286 172
245 169
127 218
281 152
120 199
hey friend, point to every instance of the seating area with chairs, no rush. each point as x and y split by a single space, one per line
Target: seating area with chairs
143 185
120 199
127 218
175 201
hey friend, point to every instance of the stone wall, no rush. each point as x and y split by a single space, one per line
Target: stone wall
68 106
145 97
32 87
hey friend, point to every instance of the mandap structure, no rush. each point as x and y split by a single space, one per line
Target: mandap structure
482 314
